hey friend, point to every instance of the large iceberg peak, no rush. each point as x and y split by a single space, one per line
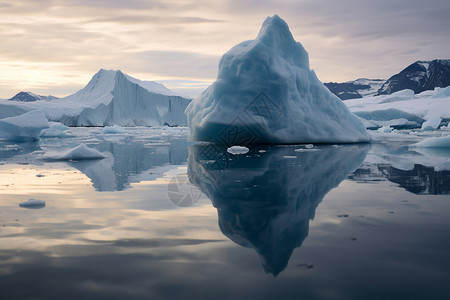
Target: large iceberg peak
275 33
265 92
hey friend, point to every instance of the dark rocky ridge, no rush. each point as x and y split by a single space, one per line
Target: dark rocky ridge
419 76
30 97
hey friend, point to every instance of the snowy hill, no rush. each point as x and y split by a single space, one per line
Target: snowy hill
30 97
404 109
110 98
419 76
358 88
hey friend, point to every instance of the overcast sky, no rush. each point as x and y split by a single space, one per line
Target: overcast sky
55 46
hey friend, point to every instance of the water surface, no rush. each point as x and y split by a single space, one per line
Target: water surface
162 219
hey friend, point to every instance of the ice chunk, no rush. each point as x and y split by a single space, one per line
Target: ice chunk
431 124
113 129
24 127
236 150
434 142
33 204
56 130
385 129
80 152
265 92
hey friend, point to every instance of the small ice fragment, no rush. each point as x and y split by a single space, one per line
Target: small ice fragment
237 150
385 129
431 124
33 204
289 157
115 129
309 146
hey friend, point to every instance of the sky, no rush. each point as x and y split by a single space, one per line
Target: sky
56 46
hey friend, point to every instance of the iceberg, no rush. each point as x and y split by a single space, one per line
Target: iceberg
110 98
24 127
265 92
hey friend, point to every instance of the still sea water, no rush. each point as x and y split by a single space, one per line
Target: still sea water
160 218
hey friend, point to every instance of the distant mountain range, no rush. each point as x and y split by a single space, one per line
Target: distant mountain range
358 88
419 76
30 97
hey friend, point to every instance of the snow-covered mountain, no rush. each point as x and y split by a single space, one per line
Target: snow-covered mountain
30 97
361 87
419 76
110 98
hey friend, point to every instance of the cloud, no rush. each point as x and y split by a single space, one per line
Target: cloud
185 39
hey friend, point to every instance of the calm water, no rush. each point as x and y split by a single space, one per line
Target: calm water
162 219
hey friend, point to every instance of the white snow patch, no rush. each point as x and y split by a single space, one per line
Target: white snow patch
403 108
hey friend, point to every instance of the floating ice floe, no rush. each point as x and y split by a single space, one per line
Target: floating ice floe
56 130
237 150
431 124
434 142
33 204
115 129
265 92
24 127
81 152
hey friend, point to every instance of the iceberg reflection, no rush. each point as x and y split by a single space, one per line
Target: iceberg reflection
266 198
130 162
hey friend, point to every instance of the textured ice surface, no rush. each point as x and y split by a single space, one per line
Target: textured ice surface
23 127
265 92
